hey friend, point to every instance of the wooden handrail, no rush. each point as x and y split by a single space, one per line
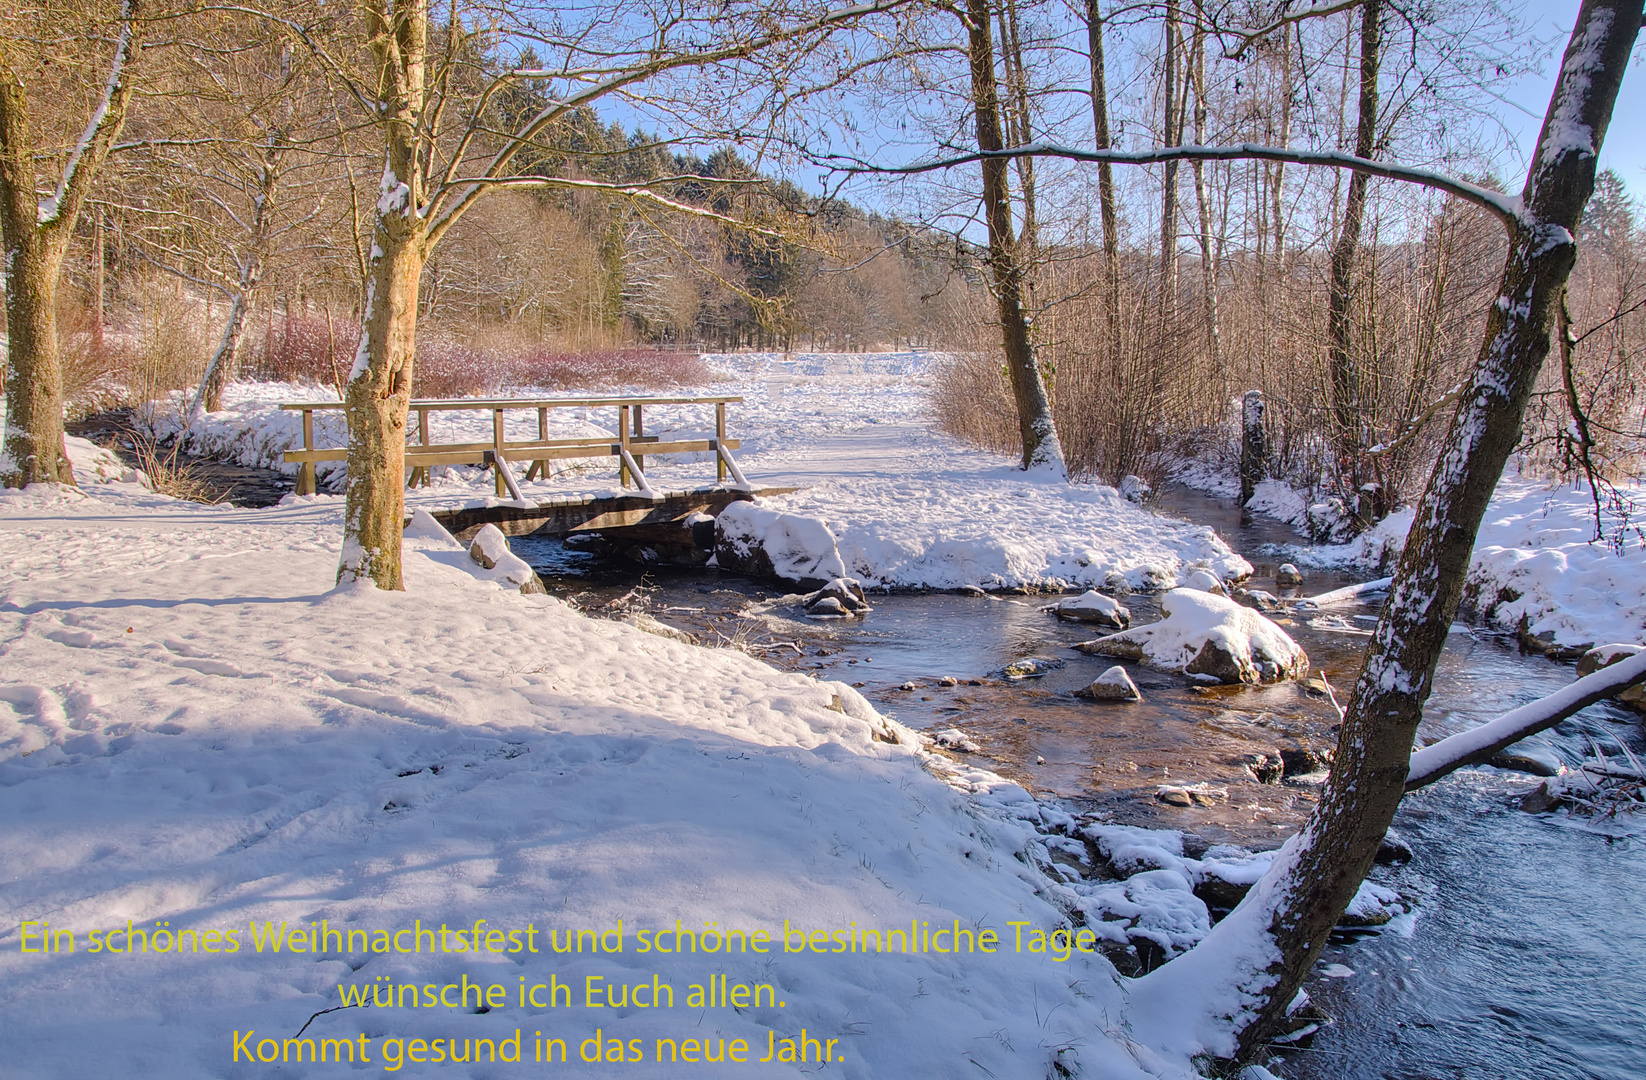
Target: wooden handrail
628 446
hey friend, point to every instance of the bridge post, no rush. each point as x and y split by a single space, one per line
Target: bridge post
623 445
720 440
499 463
305 471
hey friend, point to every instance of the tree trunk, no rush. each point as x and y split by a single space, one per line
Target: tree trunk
1208 256
1034 411
34 376
1345 379
225 358
1170 136
380 383
35 232
1105 180
1246 973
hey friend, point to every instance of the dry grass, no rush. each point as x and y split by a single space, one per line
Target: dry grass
171 473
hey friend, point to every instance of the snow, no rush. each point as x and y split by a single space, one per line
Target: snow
198 732
1535 564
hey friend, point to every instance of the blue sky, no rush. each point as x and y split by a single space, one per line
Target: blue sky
1527 100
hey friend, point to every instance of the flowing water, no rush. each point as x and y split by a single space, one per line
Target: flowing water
1526 953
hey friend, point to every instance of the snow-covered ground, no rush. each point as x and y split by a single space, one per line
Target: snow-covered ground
910 507
1537 564
198 734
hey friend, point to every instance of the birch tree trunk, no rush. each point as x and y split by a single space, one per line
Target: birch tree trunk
35 232
1238 983
1041 447
378 391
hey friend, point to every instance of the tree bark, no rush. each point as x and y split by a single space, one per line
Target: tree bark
1208 256
35 233
378 392
1105 177
1041 447
1170 136
1345 379
1249 969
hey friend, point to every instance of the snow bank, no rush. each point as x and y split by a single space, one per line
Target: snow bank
197 732
1536 567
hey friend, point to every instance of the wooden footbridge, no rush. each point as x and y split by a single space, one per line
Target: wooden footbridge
555 514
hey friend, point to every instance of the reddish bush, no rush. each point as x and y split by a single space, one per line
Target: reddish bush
301 349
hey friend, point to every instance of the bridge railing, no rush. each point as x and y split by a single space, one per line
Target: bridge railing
629 442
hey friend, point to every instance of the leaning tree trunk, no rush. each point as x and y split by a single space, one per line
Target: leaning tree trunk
1345 380
1034 411
1242 978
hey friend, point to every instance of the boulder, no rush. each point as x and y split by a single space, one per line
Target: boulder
1029 668
1288 576
1265 767
1536 758
1257 599
1304 760
754 540
1393 849
1205 581
1211 636
839 598
956 740
489 547
1605 656
1191 794
1095 608
1114 685
490 550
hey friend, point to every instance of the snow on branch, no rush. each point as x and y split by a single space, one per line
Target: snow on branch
108 114
1479 744
1506 208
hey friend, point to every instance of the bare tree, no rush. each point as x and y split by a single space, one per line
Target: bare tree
1260 954
433 174
36 229
1008 266
1232 991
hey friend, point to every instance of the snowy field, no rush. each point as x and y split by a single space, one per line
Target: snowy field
204 747
197 734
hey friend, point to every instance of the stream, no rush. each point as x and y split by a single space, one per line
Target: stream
1525 955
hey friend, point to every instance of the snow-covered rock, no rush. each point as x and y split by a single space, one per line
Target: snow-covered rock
1203 581
94 464
839 598
489 546
1208 635
1114 685
1288 576
751 539
1093 607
